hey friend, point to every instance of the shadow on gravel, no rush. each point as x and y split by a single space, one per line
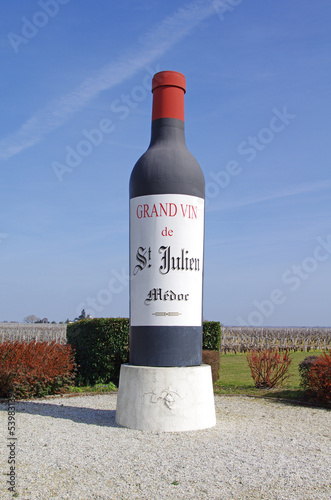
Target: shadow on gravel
103 418
286 399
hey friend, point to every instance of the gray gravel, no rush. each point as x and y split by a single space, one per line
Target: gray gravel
71 448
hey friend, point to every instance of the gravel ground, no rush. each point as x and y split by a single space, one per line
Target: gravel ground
71 448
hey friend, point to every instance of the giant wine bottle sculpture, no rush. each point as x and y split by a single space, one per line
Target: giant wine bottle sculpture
166 238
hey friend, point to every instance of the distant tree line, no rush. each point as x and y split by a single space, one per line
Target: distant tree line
34 319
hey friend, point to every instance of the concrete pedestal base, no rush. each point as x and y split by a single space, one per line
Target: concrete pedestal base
165 399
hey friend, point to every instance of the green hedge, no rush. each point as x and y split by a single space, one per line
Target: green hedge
102 345
211 335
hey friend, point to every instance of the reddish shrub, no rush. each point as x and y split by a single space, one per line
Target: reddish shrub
35 368
319 377
269 367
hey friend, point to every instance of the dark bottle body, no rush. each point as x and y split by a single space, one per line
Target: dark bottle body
167 166
166 251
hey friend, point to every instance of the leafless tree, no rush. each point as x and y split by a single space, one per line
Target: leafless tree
31 319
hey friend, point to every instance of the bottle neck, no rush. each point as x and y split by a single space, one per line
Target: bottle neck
168 115
168 130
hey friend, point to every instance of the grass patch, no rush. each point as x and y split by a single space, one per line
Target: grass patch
236 379
98 388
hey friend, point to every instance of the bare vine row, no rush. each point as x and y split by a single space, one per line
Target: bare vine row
242 339
42 332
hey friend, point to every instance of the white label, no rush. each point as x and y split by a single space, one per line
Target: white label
166 260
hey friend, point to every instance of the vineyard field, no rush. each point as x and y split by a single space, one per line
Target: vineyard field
42 332
242 339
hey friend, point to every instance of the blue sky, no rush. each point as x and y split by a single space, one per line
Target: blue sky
76 110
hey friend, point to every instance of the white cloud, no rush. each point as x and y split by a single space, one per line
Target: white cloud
151 46
299 189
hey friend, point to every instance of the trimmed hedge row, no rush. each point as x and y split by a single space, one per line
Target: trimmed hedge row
211 339
35 369
102 345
